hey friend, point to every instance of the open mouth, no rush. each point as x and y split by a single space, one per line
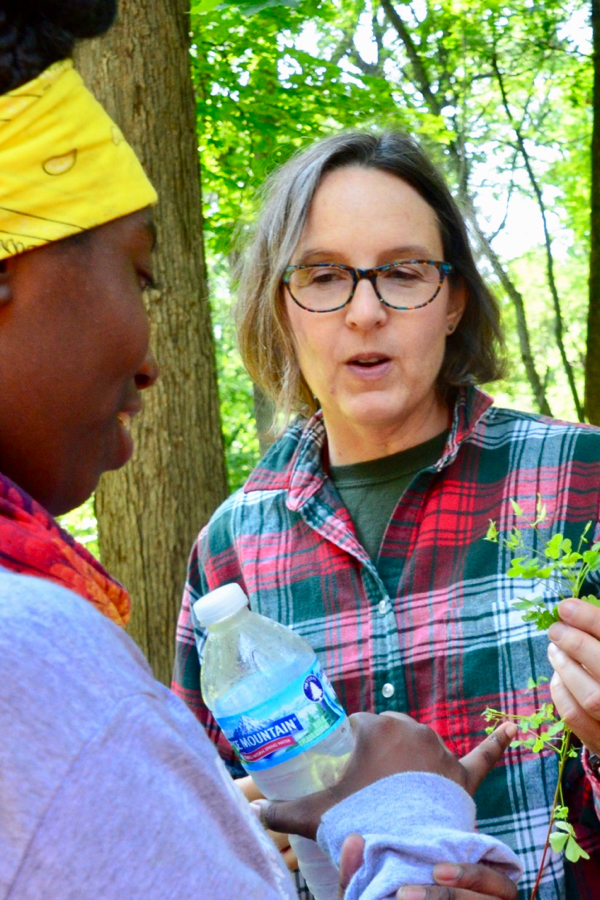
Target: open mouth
368 361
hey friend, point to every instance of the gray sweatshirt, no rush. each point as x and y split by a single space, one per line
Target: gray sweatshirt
110 789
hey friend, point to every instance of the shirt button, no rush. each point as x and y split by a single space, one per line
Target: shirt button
382 607
388 690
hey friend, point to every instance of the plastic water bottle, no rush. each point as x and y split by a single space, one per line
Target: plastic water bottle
265 687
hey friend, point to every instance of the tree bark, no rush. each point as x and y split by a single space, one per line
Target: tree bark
592 363
150 512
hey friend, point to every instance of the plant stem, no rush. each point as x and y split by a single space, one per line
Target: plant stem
561 766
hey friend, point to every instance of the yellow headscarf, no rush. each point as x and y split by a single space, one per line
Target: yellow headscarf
64 165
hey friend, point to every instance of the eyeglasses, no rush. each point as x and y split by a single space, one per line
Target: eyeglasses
326 287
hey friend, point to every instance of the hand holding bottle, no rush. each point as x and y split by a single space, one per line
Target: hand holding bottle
387 745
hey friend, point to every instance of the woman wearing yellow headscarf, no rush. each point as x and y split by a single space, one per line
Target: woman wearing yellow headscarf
72 318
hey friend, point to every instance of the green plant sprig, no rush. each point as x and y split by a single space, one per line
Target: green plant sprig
563 570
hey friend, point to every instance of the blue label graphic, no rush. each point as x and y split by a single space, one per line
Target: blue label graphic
292 721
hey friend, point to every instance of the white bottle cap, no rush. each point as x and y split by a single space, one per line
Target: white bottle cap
219 604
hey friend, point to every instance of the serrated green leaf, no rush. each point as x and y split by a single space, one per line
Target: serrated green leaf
591 599
523 604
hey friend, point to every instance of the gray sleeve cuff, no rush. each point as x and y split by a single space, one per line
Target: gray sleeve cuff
410 822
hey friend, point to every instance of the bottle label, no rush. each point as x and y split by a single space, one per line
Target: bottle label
287 724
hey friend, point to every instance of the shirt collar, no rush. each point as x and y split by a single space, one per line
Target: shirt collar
302 474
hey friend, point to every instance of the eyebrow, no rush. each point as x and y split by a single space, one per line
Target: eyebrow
412 251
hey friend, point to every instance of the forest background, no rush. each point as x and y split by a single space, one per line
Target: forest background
505 99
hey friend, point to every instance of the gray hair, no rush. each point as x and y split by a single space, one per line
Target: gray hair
265 339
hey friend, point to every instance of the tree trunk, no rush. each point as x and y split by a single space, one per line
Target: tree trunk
592 363
150 512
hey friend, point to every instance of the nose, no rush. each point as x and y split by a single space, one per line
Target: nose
147 374
365 310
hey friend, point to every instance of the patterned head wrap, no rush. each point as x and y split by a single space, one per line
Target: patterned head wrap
64 165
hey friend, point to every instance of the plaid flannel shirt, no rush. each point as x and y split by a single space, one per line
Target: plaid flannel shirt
429 630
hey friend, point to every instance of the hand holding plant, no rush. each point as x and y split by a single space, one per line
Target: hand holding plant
564 570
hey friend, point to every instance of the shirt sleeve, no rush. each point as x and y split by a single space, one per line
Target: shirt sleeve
147 811
410 822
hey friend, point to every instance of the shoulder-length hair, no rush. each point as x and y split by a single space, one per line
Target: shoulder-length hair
264 334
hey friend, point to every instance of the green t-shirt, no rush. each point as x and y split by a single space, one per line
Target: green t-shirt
370 490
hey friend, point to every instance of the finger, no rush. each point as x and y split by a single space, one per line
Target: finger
583 686
351 859
580 614
579 645
484 757
281 841
433 892
291 816
579 721
290 859
476 877
248 788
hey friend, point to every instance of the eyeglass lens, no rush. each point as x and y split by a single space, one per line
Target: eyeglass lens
403 285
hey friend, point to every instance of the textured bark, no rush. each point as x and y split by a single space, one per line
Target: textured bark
150 512
592 364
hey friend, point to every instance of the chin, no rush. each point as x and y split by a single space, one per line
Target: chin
71 499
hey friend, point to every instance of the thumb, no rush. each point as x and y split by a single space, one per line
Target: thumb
351 859
302 816
480 761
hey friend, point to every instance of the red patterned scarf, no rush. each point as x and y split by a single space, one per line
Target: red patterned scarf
33 543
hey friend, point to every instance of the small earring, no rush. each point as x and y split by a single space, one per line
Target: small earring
450 328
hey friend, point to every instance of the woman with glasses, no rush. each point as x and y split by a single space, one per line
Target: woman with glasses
361 310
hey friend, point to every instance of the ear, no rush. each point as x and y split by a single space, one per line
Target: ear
5 288
457 302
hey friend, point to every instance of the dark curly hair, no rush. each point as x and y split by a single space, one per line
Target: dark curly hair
36 33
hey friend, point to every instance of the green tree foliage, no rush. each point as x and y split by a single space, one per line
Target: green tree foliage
499 93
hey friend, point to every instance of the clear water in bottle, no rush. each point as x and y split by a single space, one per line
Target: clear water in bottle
265 687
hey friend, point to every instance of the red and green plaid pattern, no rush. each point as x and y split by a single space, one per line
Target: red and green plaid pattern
433 619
